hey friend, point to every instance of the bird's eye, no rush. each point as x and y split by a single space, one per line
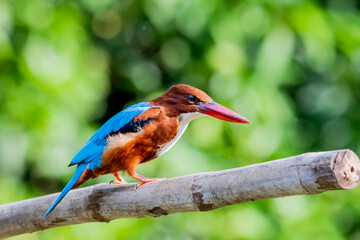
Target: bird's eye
193 99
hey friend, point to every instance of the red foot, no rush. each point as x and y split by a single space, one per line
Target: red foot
144 179
119 180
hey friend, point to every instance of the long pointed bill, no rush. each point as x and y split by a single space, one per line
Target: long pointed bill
218 111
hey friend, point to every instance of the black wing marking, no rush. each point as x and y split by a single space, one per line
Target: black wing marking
132 127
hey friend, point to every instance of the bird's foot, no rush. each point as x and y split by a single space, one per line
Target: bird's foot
148 180
119 180
144 179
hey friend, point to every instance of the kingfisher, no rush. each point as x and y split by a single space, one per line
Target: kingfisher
140 133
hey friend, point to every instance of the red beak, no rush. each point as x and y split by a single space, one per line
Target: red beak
218 111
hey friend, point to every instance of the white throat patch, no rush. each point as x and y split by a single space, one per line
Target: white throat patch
184 119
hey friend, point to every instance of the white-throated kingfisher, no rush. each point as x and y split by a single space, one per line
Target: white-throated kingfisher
140 133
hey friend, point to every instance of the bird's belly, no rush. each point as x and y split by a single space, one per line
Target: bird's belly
124 151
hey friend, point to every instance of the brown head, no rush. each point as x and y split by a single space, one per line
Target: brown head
187 99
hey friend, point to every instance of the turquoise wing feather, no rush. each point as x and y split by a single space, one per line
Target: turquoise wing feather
91 152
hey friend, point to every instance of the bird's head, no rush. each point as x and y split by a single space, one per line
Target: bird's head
183 98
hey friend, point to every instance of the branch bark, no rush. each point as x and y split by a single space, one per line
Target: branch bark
309 173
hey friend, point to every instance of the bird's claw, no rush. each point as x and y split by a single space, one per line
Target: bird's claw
117 182
147 180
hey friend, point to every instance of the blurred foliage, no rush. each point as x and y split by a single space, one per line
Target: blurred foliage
292 67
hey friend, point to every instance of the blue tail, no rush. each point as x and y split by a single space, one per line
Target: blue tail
79 170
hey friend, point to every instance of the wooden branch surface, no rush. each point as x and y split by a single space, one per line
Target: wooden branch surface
309 173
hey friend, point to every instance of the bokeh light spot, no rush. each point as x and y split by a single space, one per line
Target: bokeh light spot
46 63
223 86
226 57
175 53
145 76
107 24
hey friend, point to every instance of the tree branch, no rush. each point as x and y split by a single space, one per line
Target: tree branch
309 173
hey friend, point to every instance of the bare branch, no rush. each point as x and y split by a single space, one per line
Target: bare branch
309 173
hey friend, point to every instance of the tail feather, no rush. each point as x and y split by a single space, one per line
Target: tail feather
79 170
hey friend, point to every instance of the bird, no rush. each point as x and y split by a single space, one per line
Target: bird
140 133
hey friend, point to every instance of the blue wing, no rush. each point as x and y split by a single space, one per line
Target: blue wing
89 155
91 152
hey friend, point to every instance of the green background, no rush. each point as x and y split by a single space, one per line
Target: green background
290 66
